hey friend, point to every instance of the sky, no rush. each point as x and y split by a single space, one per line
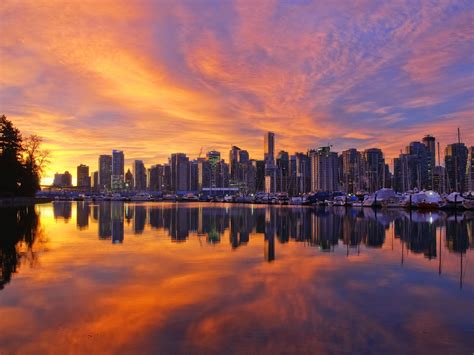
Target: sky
157 77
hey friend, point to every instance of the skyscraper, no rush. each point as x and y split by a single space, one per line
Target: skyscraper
324 170
374 169
269 159
129 180
430 143
179 169
214 157
470 169
139 175
234 163
269 149
283 171
455 161
105 172
83 178
118 170
155 177
352 171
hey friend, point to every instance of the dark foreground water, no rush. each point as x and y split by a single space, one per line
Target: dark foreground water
209 278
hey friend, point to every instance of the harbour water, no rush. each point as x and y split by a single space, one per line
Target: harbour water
112 277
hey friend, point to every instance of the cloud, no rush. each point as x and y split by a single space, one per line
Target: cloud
154 78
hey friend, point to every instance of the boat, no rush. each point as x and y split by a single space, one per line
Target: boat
190 197
141 197
376 199
296 200
429 200
468 202
453 201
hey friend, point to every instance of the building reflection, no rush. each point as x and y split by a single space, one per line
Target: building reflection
62 209
426 234
323 228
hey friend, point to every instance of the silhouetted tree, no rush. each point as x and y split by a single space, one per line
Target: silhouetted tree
21 161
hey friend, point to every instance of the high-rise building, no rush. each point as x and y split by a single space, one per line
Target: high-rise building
269 149
234 163
269 159
129 180
179 168
374 169
324 170
62 180
470 169
193 175
430 143
83 178
118 170
419 171
155 177
283 172
139 175
351 171
259 166
105 172
439 179
95 180
455 161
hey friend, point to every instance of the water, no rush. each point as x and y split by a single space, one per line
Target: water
215 278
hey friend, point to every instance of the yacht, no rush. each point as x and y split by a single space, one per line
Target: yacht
141 197
453 201
377 199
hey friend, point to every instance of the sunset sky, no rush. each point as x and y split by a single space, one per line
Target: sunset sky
156 77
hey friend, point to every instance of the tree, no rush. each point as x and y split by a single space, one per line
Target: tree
10 158
21 161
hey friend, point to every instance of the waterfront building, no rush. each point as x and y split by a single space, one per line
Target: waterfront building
193 175
351 171
283 172
62 180
269 159
155 178
455 161
374 169
179 169
95 181
439 179
105 172
118 170
139 175
83 178
470 169
324 170
129 180
430 143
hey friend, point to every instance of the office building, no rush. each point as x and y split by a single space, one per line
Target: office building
374 169
351 171
105 172
83 178
118 170
62 180
139 175
455 162
179 169
470 169
324 170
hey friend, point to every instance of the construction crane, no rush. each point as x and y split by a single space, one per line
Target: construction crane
200 153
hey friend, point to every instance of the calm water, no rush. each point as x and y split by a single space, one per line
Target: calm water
203 278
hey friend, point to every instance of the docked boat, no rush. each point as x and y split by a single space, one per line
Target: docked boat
453 201
141 197
468 202
429 200
377 199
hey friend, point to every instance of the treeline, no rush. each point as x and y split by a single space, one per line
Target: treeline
21 161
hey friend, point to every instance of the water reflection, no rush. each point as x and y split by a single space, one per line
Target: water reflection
175 275
324 228
20 231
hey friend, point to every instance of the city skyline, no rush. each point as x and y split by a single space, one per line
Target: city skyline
418 166
156 78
